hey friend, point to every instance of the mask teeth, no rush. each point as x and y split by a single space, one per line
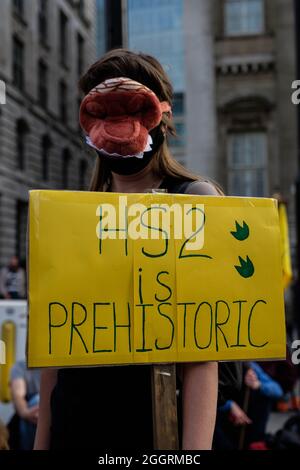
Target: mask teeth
137 155
149 144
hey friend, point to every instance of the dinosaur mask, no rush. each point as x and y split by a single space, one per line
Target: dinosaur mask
118 115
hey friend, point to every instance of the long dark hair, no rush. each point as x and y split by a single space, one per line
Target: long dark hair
147 70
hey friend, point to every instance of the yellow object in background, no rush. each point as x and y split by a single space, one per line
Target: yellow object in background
8 335
124 300
285 246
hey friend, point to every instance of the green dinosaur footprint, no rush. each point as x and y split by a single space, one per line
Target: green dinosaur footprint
246 268
242 232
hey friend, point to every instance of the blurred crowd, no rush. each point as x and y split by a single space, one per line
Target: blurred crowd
241 421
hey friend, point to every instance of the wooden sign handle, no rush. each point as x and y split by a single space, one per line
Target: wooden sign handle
164 407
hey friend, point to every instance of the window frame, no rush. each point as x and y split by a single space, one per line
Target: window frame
245 34
18 63
235 170
46 145
43 22
22 131
43 74
66 159
80 53
63 25
83 168
20 241
63 100
19 8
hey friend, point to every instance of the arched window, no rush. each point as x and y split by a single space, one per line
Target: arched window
245 123
46 147
66 158
22 130
247 163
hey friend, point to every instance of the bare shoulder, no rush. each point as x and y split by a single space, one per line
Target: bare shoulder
202 188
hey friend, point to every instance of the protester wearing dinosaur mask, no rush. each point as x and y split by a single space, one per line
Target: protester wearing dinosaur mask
126 117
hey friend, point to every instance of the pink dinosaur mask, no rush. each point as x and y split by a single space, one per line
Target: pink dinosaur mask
118 115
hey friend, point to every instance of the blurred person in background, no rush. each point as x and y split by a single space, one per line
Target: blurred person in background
3 437
286 374
264 392
25 386
12 280
248 412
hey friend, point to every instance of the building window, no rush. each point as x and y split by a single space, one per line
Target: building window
22 131
79 100
178 110
18 6
63 101
46 147
63 38
43 84
178 105
18 63
66 158
247 164
244 17
42 21
21 230
81 7
83 166
80 54
101 22
179 141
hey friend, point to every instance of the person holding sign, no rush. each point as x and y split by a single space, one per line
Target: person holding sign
126 116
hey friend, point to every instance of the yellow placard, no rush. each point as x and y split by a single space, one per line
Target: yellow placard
150 278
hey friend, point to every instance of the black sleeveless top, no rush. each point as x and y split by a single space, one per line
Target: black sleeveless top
105 407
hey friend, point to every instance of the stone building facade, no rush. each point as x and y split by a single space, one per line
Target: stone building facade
239 94
233 61
241 122
45 46
254 74
236 65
